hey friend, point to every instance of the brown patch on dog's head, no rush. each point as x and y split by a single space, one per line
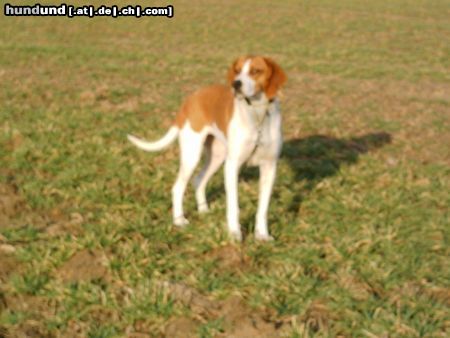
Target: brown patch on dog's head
276 79
235 68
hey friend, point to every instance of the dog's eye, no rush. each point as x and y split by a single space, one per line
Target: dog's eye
255 71
237 70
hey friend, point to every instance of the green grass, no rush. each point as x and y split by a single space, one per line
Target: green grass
360 207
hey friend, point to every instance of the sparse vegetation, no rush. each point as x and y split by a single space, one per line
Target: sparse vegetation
360 210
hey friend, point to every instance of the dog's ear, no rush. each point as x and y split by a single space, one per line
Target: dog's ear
276 80
231 72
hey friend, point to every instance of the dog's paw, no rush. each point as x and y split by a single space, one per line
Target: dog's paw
180 221
203 208
236 236
263 237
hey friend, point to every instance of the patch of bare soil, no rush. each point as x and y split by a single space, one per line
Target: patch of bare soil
237 318
15 212
85 265
102 314
240 321
230 257
5 248
10 204
190 297
30 329
8 265
181 327
61 229
28 303
60 224
144 328
138 335
35 306
75 329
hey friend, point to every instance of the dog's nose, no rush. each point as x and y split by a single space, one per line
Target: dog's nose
237 84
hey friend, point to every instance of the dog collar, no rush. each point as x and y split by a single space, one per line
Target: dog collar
249 101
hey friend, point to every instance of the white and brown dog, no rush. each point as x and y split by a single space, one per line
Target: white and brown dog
235 123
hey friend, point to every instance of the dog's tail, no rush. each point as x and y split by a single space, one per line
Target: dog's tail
161 144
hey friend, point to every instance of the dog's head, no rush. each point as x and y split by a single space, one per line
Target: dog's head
252 75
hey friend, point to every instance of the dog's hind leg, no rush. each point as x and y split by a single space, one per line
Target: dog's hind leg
191 145
215 155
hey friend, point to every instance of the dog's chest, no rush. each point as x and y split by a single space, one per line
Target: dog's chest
254 134
250 120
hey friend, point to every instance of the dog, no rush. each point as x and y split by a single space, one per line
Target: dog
235 123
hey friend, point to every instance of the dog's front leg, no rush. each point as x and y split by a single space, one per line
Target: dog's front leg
231 188
267 171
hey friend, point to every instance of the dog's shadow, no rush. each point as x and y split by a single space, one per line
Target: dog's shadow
316 157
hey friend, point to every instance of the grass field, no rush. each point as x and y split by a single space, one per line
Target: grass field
360 210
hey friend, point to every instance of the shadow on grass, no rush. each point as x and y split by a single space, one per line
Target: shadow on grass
314 158
318 156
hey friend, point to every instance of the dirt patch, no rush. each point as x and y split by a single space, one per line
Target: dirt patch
30 329
59 223
62 229
230 257
10 204
7 249
14 212
237 318
85 265
75 329
101 314
40 306
8 265
138 335
190 298
144 327
241 321
182 327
